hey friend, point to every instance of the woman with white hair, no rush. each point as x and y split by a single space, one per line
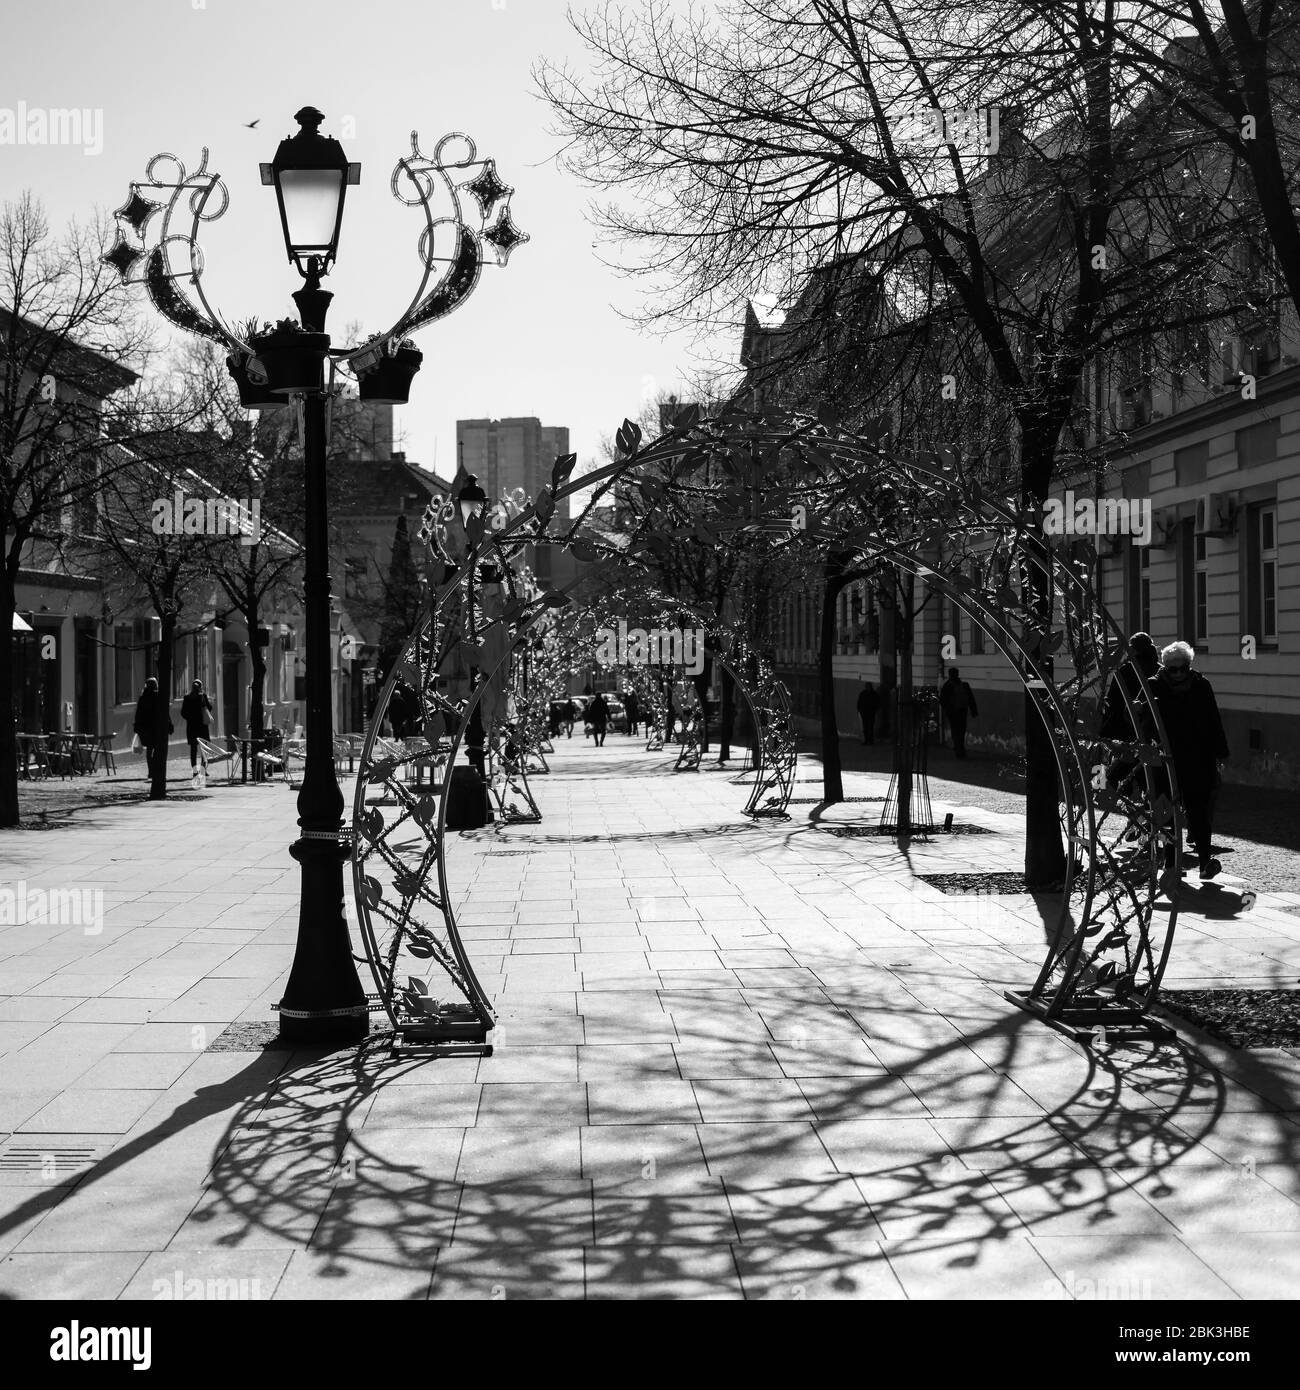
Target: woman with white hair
1191 719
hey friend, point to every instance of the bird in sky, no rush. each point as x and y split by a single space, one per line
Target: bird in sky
252 125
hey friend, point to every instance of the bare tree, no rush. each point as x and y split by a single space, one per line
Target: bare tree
71 352
745 151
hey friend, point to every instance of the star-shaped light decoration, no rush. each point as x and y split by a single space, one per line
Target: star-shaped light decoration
137 211
504 236
122 257
487 188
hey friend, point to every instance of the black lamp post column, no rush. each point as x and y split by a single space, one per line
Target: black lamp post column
323 1000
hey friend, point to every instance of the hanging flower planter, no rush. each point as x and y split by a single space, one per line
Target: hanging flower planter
291 358
253 392
385 377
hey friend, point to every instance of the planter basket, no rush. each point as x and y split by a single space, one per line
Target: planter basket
253 395
292 361
389 380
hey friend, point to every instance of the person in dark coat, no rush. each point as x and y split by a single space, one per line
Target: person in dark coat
597 715
868 703
145 724
1124 715
633 707
195 708
957 701
1190 714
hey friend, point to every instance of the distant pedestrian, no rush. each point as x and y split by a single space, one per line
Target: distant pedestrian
1190 714
957 701
633 707
147 710
868 704
195 708
553 718
597 716
570 716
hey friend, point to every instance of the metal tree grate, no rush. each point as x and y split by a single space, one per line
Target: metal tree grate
49 1159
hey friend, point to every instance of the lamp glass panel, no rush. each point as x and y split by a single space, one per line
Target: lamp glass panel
311 206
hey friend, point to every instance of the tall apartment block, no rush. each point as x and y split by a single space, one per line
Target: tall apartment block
511 453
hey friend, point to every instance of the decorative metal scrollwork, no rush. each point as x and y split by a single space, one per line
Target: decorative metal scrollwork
169 263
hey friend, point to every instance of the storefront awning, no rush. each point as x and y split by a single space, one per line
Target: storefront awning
20 626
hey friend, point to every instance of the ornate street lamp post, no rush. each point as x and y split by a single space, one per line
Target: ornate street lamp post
323 999
471 502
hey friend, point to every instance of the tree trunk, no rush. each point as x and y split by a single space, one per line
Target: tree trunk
257 657
1044 849
832 777
252 616
9 810
701 683
163 717
903 736
728 716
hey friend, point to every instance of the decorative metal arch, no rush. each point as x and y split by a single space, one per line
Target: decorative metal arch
765 696
923 515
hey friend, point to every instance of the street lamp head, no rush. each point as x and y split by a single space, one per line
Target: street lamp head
311 175
471 499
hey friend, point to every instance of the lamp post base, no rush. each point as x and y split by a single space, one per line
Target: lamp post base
323 1000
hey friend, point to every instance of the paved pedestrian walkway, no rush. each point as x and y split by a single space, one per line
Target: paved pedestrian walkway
734 1059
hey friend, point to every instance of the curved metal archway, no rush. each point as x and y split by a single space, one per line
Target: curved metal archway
1109 948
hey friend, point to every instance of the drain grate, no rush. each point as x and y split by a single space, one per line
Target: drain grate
816 800
48 1160
1000 883
866 832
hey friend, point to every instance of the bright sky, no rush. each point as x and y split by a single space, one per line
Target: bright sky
539 337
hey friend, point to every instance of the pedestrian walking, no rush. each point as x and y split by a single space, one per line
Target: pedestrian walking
145 724
633 707
554 717
195 708
1194 727
598 716
570 717
1124 717
957 700
868 704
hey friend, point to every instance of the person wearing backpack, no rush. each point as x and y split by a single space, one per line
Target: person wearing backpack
957 701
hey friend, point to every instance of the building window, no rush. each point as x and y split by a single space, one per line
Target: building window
1191 463
1191 583
123 672
1201 617
976 630
1261 571
1258 443
1268 572
1143 587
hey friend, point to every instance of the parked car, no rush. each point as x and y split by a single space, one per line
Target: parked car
617 714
